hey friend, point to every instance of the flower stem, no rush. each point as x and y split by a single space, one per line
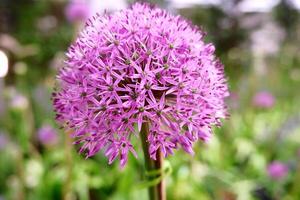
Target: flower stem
67 190
156 192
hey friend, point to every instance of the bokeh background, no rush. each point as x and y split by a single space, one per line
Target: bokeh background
255 155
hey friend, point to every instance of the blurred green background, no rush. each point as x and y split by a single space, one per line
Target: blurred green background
255 155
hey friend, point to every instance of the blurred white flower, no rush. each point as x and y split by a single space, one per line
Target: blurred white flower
10 44
267 39
17 100
257 5
296 3
97 6
3 64
190 3
46 23
33 173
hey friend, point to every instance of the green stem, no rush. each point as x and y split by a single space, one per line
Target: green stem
67 190
156 192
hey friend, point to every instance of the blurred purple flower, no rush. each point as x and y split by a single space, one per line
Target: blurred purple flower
140 65
77 11
277 170
47 135
263 99
3 141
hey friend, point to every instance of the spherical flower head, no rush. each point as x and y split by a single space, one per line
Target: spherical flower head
277 170
47 135
76 11
263 99
140 65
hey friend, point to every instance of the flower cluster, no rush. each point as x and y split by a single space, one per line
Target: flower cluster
140 65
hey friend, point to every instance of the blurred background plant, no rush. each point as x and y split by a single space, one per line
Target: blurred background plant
256 155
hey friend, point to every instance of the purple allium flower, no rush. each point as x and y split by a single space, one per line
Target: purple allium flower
47 135
263 99
277 170
140 65
77 10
